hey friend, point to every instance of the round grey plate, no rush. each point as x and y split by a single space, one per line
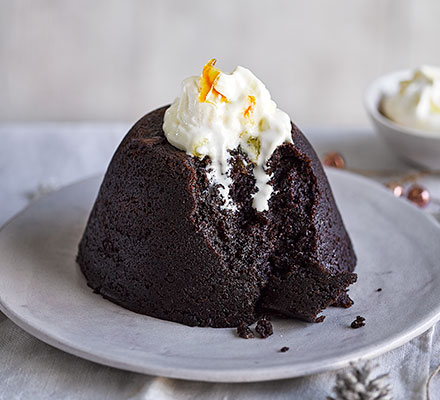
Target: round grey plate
398 247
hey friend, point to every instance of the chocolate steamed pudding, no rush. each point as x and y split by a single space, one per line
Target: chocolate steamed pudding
216 210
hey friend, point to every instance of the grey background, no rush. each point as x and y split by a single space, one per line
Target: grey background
114 60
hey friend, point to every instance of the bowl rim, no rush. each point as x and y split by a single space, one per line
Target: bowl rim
374 93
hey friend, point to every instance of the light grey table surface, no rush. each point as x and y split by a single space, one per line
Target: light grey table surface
36 158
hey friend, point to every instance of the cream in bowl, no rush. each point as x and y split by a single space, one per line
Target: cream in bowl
404 107
417 102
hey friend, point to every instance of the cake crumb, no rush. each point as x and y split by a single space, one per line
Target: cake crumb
264 328
284 349
320 319
358 322
379 290
244 331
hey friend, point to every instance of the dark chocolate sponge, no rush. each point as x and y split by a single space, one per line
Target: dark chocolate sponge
159 243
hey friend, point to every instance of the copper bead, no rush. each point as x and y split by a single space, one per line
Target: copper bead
395 188
334 160
418 195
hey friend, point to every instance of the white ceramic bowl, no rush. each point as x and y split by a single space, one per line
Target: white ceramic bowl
416 146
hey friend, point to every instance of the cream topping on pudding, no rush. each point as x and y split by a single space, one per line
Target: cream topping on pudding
417 103
218 112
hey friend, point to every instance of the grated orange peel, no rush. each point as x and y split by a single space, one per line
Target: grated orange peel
208 80
247 113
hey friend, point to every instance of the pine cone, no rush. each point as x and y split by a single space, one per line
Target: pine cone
356 384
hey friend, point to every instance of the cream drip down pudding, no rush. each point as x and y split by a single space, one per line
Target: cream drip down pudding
219 112
216 210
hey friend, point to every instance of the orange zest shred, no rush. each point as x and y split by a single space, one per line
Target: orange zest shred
250 109
209 77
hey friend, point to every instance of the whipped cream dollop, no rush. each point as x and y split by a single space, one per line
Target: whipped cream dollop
218 112
417 103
